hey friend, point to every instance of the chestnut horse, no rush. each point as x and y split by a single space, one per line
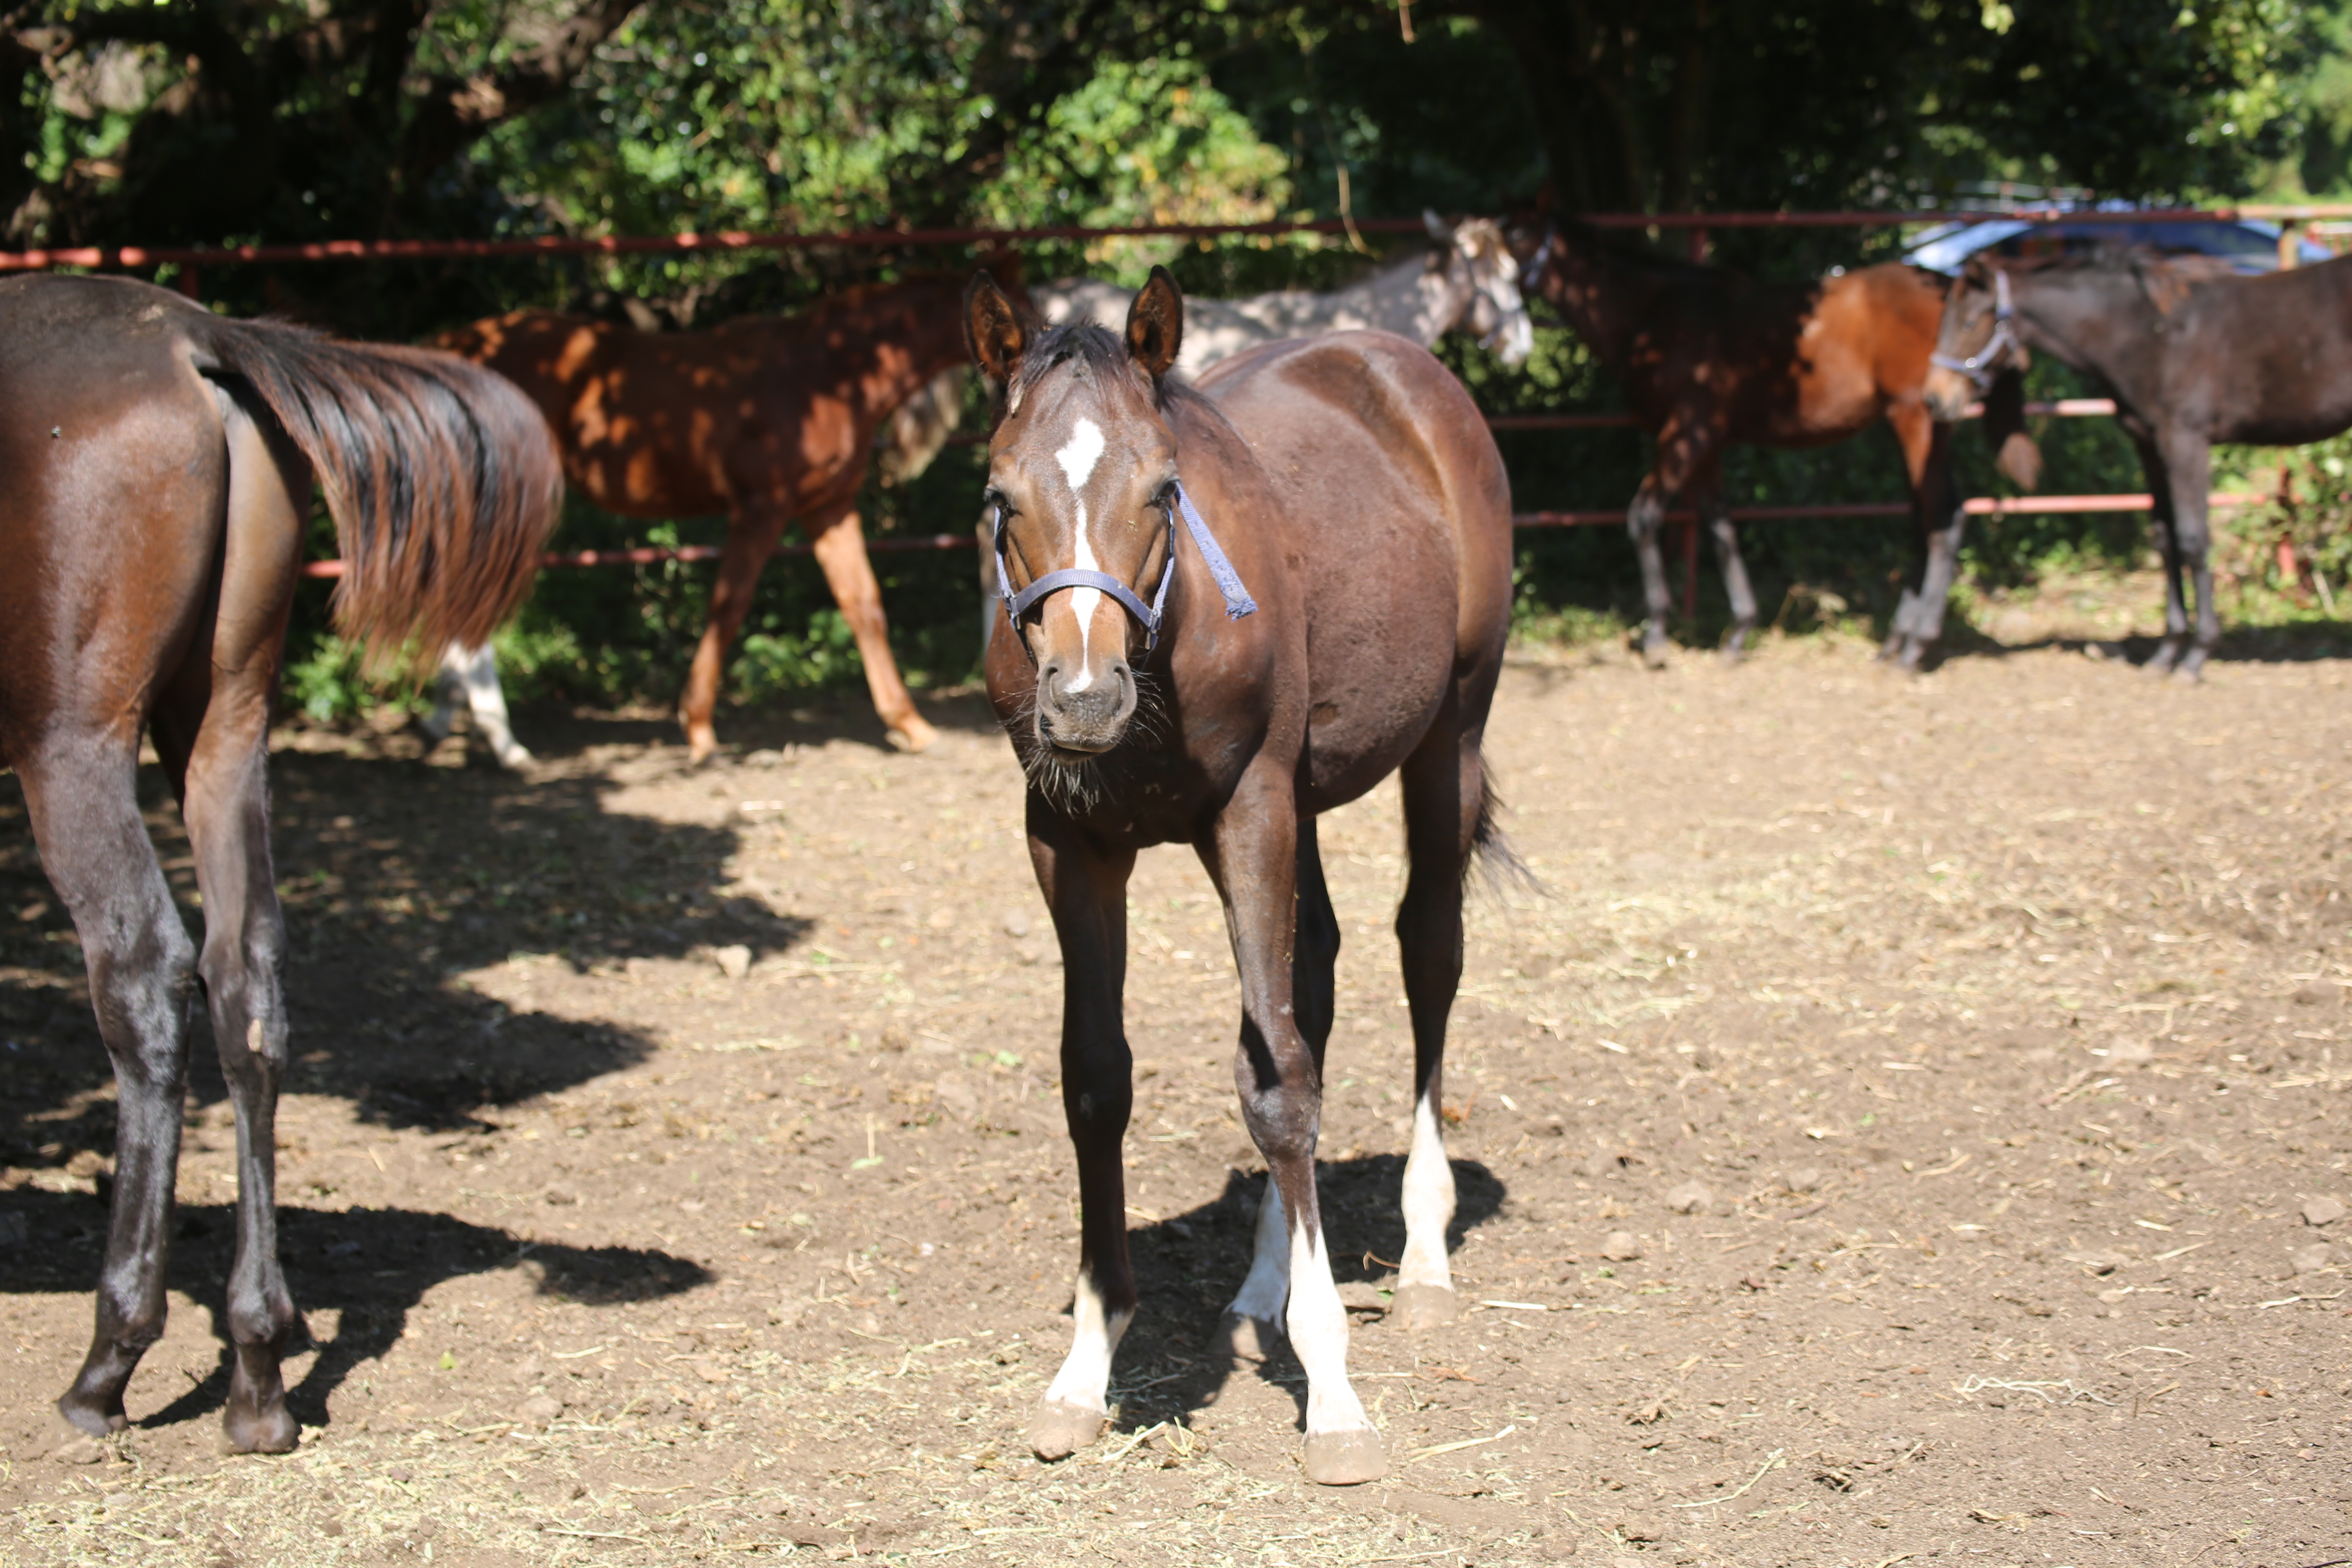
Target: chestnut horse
160 460
766 419
2192 355
1356 630
1709 357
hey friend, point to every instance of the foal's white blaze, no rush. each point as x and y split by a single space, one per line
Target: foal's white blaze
1084 1378
1428 1203
1268 1285
1319 1333
1078 458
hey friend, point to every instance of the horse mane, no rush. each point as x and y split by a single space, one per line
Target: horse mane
2164 279
1097 348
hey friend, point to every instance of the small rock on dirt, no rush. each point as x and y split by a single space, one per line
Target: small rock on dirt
1642 1527
1689 1198
1621 1247
1362 1296
2313 1259
1015 923
2322 1211
2130 1053
1592 1167
540 1409
81 1451
1807 1180
734 962
559 1197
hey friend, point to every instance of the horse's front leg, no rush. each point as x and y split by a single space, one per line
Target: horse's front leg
1939 520
1250 855
1086 887
2164 518
752 531
1644 519
2188 464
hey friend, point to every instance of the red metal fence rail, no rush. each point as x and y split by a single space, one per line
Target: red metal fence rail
190 259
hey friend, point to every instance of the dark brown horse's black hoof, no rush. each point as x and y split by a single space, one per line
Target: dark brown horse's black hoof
89 1415
270 1431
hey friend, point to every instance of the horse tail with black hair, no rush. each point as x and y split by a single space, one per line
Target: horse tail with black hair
442 477
1491 855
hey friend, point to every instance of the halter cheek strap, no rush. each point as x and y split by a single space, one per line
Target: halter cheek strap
1151 616
1978 367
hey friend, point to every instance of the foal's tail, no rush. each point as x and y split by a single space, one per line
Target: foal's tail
1491 856
442 477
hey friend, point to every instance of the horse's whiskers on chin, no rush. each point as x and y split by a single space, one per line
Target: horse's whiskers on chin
1071 787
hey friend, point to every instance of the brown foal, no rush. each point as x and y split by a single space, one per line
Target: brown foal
1151 701
160 461
766 419
1708 358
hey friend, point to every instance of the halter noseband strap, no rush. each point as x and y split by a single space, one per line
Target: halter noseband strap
1979 366
1229 583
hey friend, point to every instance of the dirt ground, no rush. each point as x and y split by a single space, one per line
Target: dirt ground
1956 1057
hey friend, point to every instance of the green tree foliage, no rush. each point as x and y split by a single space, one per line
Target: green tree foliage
214 121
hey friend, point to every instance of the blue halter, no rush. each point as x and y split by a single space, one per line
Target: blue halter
1237 600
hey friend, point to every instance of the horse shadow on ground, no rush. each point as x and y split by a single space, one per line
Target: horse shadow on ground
1188 1267
369 1267
398 879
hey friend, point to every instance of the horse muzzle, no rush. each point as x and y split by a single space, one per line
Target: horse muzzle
1083 711
1948 394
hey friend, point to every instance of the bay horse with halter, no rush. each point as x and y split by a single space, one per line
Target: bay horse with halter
1159 689
766 419
1709 357
2191 353
161 459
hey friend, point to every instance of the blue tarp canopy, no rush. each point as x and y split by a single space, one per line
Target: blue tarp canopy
2249 246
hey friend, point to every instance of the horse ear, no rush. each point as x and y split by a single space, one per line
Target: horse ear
1155 324
991 328
1439 229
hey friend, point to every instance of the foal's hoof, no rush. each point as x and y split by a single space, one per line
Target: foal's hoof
1058 1430
270 1431
98 1420
913 735
1345 1458
1241 1341
1418 1307
1654 653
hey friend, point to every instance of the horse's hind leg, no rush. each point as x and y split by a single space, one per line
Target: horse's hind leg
840 544
1444 784
82 789
226 801
2190 463
471 675
1644 519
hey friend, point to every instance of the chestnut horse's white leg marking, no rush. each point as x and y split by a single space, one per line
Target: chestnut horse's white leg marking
1319 1333
1262 1295
1428 1203
1084 1382
1078 458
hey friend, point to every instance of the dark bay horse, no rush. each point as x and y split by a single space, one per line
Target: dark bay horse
1160 691
2192 354
160 462
765 418
1708 358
